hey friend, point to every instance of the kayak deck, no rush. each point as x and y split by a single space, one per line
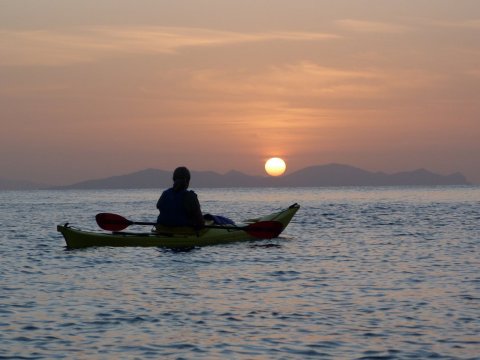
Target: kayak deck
76 238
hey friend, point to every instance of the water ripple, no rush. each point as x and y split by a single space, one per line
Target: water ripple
359 274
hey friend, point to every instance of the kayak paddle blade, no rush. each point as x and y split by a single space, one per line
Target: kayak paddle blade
112 222
264 229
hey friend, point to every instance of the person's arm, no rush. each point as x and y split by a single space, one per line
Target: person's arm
159 201
194 210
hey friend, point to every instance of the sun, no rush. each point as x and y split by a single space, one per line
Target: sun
275 166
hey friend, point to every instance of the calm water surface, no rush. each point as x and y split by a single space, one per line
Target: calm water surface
360 273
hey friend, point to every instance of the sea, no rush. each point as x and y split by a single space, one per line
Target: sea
360 273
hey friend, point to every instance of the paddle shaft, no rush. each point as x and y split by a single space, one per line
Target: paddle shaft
262 229
204 226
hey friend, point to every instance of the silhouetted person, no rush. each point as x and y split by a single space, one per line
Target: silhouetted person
179 206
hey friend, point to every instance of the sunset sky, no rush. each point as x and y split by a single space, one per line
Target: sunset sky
91 88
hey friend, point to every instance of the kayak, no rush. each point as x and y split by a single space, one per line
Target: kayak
176 237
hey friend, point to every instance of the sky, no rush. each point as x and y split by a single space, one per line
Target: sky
90 89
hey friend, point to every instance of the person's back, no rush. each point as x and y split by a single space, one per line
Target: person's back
179 206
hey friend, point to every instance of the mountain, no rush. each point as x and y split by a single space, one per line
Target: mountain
334 175
148 178
425 177
154 178
8 184
321 175
345 175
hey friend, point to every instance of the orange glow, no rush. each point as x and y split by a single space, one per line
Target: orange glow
87 97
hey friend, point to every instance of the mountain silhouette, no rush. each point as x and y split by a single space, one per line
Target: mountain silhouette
313 176
7 184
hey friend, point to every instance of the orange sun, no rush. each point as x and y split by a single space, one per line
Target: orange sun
275 166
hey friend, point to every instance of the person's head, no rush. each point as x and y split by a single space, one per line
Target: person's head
181 178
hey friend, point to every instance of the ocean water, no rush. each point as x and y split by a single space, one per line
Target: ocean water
360 273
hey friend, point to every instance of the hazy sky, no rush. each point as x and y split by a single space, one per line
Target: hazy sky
92 88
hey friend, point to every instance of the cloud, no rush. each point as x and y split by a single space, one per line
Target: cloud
295 101
474 72
473 24
371 26
308 80
54 47
21 90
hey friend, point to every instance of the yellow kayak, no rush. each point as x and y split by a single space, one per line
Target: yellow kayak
267 226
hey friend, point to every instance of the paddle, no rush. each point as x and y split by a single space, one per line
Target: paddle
261 229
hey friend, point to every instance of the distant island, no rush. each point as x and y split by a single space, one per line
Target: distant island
7 184
330 175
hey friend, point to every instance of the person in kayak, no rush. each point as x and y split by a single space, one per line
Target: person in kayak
179 206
